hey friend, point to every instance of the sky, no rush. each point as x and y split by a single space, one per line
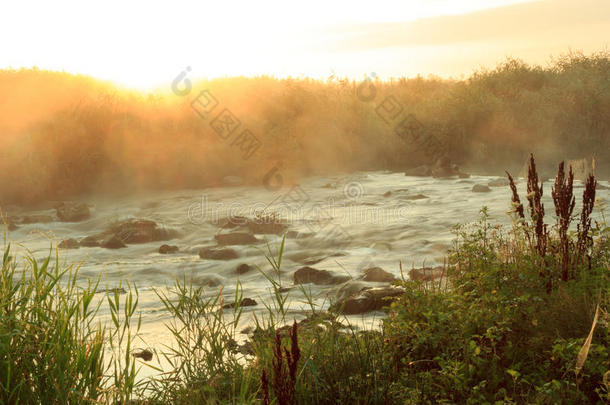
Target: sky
147 44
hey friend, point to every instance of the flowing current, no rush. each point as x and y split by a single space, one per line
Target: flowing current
350 222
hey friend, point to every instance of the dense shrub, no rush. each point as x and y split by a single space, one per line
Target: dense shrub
63 135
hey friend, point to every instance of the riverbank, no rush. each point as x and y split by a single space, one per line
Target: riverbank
501 324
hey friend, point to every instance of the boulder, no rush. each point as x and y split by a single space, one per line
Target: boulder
217 253
306 275
444 172
266 228
377 274
72 212
145 355
350 288
69 244
366 300
236 238
245 302
168 249
244 268
443 168
419 171
480 188
90 241
112 242
499 183
139 231
209 280
427 273
387 194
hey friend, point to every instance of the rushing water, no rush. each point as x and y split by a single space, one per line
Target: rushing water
348 215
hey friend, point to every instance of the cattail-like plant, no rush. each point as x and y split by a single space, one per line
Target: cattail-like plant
534 197
564 201
265 388
515 199
285 373
585 241
295 354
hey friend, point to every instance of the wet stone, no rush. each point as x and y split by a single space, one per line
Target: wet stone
480 188
306 275
72 212
244 268
377 274
236 238
245 302
168 249
69 244
218 253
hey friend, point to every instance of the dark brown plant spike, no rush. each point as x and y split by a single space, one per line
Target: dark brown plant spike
285 372
564 201
279 375
265 388
585 241
295 353
515 199
534 197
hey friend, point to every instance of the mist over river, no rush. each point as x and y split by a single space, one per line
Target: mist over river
348 223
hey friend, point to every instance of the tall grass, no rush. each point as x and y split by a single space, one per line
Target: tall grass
53 349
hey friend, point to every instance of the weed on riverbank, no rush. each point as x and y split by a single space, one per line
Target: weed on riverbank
522 318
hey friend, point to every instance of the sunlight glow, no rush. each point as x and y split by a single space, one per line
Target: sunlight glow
144 44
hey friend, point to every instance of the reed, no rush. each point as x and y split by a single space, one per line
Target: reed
52 347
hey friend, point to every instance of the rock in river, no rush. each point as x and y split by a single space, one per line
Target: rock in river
69 244
245 302
366 300
306 275
139 231
218 253
480 188
72 212
243 268
112 242
377 274
167 249
235 238
90 241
